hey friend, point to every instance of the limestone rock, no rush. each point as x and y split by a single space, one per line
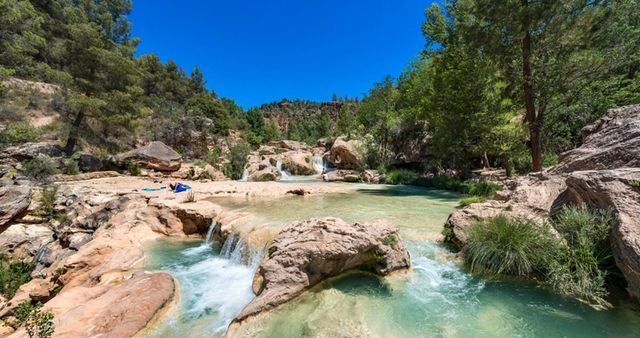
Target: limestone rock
24 240
305 253
121 310
14 200
619 190
611 142
346 154
298 163
155 155
31 150
268 173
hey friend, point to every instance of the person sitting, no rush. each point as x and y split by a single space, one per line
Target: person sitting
178 187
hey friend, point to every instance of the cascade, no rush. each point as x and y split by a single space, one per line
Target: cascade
245 175
318 163
207 239
284 175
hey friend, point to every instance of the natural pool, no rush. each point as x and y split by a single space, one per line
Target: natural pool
436 298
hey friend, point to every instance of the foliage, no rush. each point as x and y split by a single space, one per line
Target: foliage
390 240
237 160
191 197
12 275
470 200
17 133
134 168
482 188
401 176
272 131
48 201
70 166
508 246
39 169
36 322
577 270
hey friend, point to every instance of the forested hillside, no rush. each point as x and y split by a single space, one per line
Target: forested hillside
109 99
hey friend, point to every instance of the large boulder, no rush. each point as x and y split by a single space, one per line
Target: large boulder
619 190
298 163
611 142
346 154
155 155
14 200
306 253
24 240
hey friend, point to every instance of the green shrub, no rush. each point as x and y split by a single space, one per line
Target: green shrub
390 240
213 156
133 168
18 133
484 189
577 270
441 182
521 163
37 323
237 160
39 168
48 202
12 275
70 167
401 176
508 246
470 200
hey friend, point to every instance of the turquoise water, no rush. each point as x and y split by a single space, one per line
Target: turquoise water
436 298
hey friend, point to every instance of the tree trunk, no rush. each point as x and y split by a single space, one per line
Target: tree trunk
533 119
485 160
73 134
506 165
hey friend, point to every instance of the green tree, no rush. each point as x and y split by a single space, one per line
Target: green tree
345 121
209 106
272 131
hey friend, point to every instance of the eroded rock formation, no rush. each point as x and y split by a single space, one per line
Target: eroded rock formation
306 253
155 155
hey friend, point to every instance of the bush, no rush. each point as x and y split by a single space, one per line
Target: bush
578 270
37 323
470 200
401 176
12 275
483 189
133 168
521 163
237 160
39 168
18 133
508 246
442 182
70 167
48 202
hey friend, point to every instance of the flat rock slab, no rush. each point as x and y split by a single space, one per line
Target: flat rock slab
306 253
14 200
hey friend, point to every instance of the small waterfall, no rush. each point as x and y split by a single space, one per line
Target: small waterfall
318 163
207 239
245 175
284 175
237 251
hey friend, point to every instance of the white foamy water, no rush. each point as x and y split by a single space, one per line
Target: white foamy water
284 175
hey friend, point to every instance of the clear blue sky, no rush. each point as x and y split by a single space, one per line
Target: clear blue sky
264 50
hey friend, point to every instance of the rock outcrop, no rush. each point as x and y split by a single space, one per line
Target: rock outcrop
611 142
602 173
346 154
155 155
28 151
292 157
14 200
619 190
306 253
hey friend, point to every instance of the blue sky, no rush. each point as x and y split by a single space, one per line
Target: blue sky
262 51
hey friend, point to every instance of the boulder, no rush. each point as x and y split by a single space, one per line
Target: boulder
611 142
14 200
268 173
24 240
155 155
89 163
298 163
306 253
290 145
346 154
620 191
31 150
531 197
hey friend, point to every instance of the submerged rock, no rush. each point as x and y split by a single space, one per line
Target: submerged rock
306 253
155 155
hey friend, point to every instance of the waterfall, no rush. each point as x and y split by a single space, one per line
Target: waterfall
237 251
284 175
245 175
318 163
207 239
